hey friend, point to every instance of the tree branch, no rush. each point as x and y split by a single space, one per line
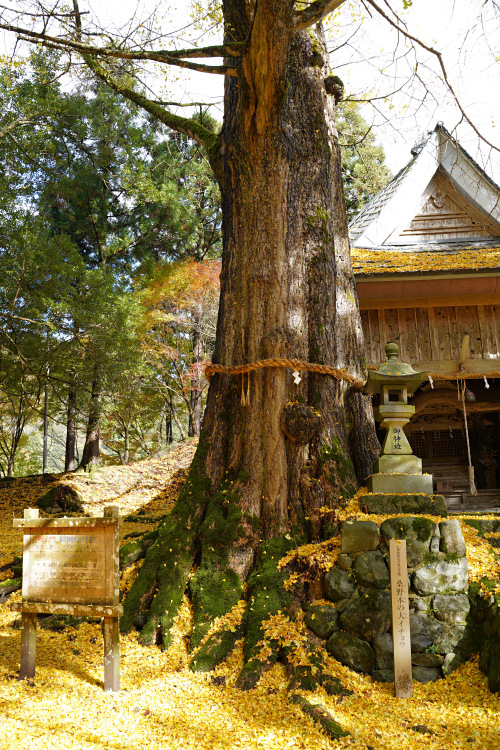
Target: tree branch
193 129
314 13
15 124
163 56
439 57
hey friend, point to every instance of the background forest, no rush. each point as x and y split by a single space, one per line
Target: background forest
110 239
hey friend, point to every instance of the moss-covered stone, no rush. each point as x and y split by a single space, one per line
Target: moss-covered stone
338 584
417 532
360 536
322 620
451 540
385 504
351 651
370 570
368 615
62 497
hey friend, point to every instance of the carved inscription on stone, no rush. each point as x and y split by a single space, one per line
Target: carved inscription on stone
68 566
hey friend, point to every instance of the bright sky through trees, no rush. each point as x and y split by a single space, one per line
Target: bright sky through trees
373 60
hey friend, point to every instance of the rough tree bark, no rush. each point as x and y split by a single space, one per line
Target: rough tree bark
69 457
195 394
91 454
272 454
287 290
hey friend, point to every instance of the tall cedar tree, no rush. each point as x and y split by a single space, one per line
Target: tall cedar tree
287 290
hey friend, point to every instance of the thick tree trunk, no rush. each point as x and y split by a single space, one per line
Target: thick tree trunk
45 421
272 454
126 445
195 394
169 438
91 454
69 458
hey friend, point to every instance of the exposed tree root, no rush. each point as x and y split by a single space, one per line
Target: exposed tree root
217 648
321 715
162 579
201 535
309 676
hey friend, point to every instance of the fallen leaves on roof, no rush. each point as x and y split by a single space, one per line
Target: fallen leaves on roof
374 261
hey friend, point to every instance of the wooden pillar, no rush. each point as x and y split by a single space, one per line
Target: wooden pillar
28 646
111 654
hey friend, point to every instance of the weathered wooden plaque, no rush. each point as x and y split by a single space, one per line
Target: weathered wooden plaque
71 566
403 682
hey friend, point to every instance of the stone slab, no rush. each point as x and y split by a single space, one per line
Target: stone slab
360 536
389 503
408 483
398 465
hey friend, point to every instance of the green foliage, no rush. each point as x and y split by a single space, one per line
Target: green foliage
364 172
93 194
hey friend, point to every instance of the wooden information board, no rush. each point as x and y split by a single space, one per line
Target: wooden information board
71 567
403 683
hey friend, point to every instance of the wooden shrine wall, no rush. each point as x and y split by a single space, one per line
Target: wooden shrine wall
434 335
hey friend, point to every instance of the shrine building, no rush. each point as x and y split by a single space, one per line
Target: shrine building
426 256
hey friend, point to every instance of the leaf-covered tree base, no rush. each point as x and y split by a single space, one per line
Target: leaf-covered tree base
191 553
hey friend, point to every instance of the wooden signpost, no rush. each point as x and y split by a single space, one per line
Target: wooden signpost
403 683
71 567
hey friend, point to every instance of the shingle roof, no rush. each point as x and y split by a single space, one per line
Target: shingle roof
381 217
372 210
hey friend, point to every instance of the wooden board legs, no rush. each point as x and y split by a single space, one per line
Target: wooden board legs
28 646
111 654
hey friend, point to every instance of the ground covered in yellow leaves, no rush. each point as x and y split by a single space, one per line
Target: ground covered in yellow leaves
164 705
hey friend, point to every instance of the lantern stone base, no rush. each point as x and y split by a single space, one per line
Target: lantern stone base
386 504
398 465
388 483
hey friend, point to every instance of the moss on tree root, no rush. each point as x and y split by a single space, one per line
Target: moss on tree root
308 677
321 715
215 649
162 579
215 588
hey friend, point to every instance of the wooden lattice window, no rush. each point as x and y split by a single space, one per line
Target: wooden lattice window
437 443
417 443
447 443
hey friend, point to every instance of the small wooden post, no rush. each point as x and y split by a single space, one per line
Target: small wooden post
28 646
110 629
403 683
111 654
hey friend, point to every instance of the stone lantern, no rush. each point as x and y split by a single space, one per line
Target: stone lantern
397 469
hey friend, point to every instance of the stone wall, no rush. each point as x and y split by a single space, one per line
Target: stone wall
357 625
485 614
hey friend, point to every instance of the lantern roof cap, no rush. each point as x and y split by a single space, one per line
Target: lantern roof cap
394 372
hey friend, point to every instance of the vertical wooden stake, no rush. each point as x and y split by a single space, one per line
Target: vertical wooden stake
403 684
28 646
111 654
